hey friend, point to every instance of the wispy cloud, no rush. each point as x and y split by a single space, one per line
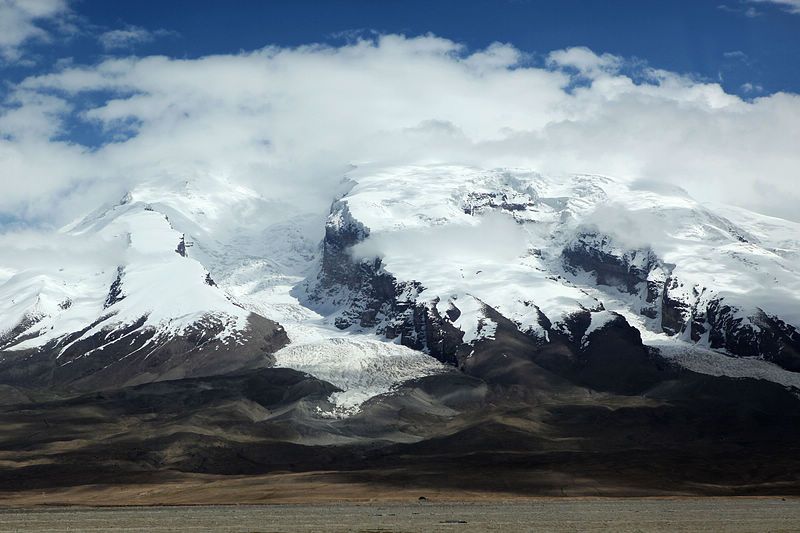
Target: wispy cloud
131 36
21 21
792 6
736 54
737 58
749 88
749 12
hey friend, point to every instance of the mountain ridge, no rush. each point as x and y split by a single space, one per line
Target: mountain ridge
426 267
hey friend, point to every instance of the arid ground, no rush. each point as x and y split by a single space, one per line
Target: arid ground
756 515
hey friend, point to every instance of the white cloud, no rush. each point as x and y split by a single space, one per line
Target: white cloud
585 61
493 235
750 88
288 122
737 54
749 12
130 36
20 22
792 6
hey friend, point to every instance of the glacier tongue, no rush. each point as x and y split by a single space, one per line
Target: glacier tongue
361 367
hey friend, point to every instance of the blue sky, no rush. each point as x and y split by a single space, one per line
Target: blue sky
743 45
99 96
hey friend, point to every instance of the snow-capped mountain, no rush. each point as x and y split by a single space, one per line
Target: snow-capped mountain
428 255
114 299
415 271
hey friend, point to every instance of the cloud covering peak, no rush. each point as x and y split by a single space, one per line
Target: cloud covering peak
288 122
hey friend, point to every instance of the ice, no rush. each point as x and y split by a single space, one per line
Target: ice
361 367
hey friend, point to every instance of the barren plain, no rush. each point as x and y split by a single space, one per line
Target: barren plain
733 515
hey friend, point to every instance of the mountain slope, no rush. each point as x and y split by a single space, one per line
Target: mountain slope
128 307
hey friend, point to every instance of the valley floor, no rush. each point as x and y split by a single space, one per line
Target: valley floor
734 515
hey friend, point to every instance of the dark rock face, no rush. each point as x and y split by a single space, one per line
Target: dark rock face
674 312
342 231
780 342
615 360
181 249
132 354
17 333
364 293
442 340
370 298
611 358
765 336
727 331
115 290
625 272
753 335
639 272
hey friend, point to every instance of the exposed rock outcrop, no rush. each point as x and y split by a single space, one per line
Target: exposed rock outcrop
626 270
132 354
693 312
115 293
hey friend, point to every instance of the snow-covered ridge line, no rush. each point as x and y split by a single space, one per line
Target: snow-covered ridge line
147 278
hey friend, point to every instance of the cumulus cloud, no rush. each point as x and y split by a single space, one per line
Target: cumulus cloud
289 122
130 36
20 22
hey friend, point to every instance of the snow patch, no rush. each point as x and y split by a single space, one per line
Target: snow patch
473 320
599 320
